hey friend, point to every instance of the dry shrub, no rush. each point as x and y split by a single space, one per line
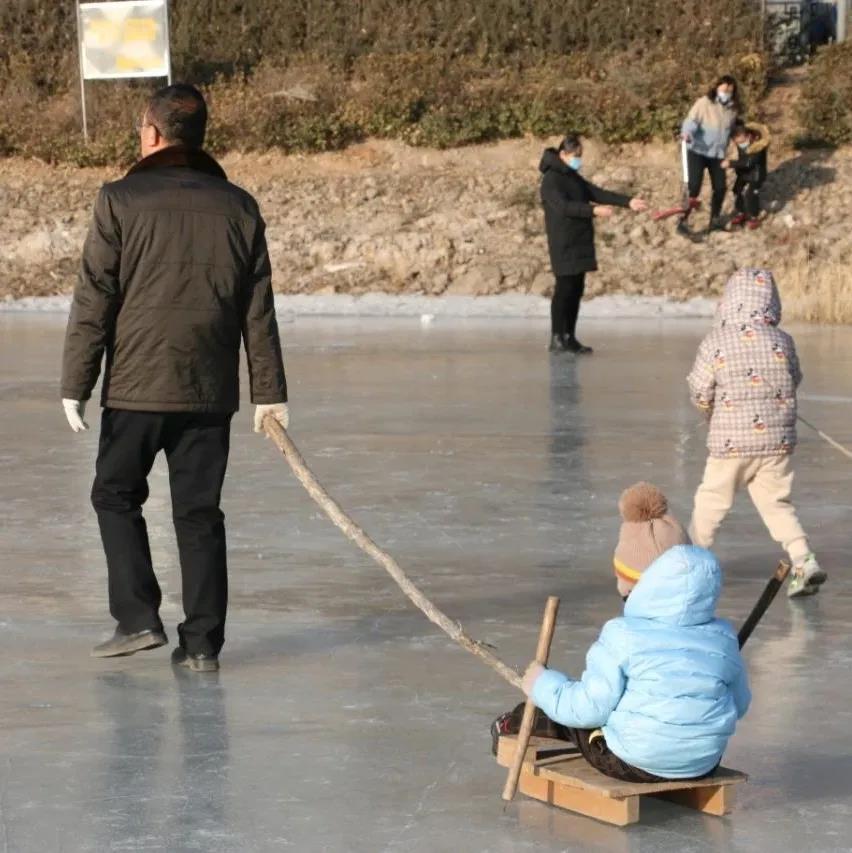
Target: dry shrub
212 37
817 293
825 107
425 71
295 108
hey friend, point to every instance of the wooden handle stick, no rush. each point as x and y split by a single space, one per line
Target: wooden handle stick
542 653
766 597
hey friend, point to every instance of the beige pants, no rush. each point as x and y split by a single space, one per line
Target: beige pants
769 480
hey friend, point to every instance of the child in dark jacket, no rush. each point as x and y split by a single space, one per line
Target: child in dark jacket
752 141
664 684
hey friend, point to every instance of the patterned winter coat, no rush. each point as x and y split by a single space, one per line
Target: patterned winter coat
746 372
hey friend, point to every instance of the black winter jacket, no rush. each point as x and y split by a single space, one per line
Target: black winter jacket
568 215
752 163
175 274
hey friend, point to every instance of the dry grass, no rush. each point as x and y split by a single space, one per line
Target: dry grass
816 293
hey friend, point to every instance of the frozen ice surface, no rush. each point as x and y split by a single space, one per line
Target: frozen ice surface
504 305
342 720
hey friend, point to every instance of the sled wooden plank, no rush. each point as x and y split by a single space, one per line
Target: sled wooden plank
618 812
718 800
575 772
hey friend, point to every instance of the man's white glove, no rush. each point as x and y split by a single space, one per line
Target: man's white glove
279 411
74 411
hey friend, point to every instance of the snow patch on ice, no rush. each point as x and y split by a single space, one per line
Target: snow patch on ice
508 305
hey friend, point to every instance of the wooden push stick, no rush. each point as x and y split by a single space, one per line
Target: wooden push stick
542 653
769 593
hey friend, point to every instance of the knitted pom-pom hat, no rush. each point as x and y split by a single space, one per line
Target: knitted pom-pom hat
647 531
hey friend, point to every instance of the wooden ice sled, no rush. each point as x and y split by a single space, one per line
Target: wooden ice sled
567 780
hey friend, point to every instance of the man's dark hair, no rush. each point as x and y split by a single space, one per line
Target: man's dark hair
179 114
570 143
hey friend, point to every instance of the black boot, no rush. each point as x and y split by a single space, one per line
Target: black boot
715 224
683 228
573 345
557 343
197 663
121 644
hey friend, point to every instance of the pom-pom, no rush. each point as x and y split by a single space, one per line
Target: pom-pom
642 502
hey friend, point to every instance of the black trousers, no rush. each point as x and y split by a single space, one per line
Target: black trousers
196 448
565 305
747 197
696 165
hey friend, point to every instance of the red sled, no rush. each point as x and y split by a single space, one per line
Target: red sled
691 205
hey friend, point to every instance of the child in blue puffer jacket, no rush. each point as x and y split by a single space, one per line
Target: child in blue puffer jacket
664 684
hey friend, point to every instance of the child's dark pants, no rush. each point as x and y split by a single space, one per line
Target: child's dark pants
590 742
598 754
747 197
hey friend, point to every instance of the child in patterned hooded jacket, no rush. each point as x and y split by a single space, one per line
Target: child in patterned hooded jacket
664 684
744 379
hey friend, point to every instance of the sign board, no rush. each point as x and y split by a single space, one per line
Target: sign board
126 38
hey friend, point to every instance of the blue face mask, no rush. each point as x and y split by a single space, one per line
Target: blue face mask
575 163
742 145
723 97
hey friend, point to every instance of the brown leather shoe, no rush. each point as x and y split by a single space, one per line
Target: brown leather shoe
121 644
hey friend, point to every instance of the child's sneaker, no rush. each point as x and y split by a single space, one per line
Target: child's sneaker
806 577
753 224
510 724
739 219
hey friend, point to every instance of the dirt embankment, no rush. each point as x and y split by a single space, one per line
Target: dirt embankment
384 217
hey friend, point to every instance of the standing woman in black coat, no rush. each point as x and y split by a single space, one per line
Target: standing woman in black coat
571 205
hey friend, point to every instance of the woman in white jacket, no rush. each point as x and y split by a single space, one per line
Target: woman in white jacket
707 133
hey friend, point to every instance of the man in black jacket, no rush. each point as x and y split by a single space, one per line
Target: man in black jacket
175 273
571 204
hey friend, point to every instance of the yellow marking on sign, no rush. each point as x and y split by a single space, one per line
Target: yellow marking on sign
102 32
123 62
141 29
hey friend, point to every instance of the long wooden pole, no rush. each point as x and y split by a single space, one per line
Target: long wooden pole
542 653
352 531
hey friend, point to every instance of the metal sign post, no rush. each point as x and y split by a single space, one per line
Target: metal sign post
122 39
82 75
168 48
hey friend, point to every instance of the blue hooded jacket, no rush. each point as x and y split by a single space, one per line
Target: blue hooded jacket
666 682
